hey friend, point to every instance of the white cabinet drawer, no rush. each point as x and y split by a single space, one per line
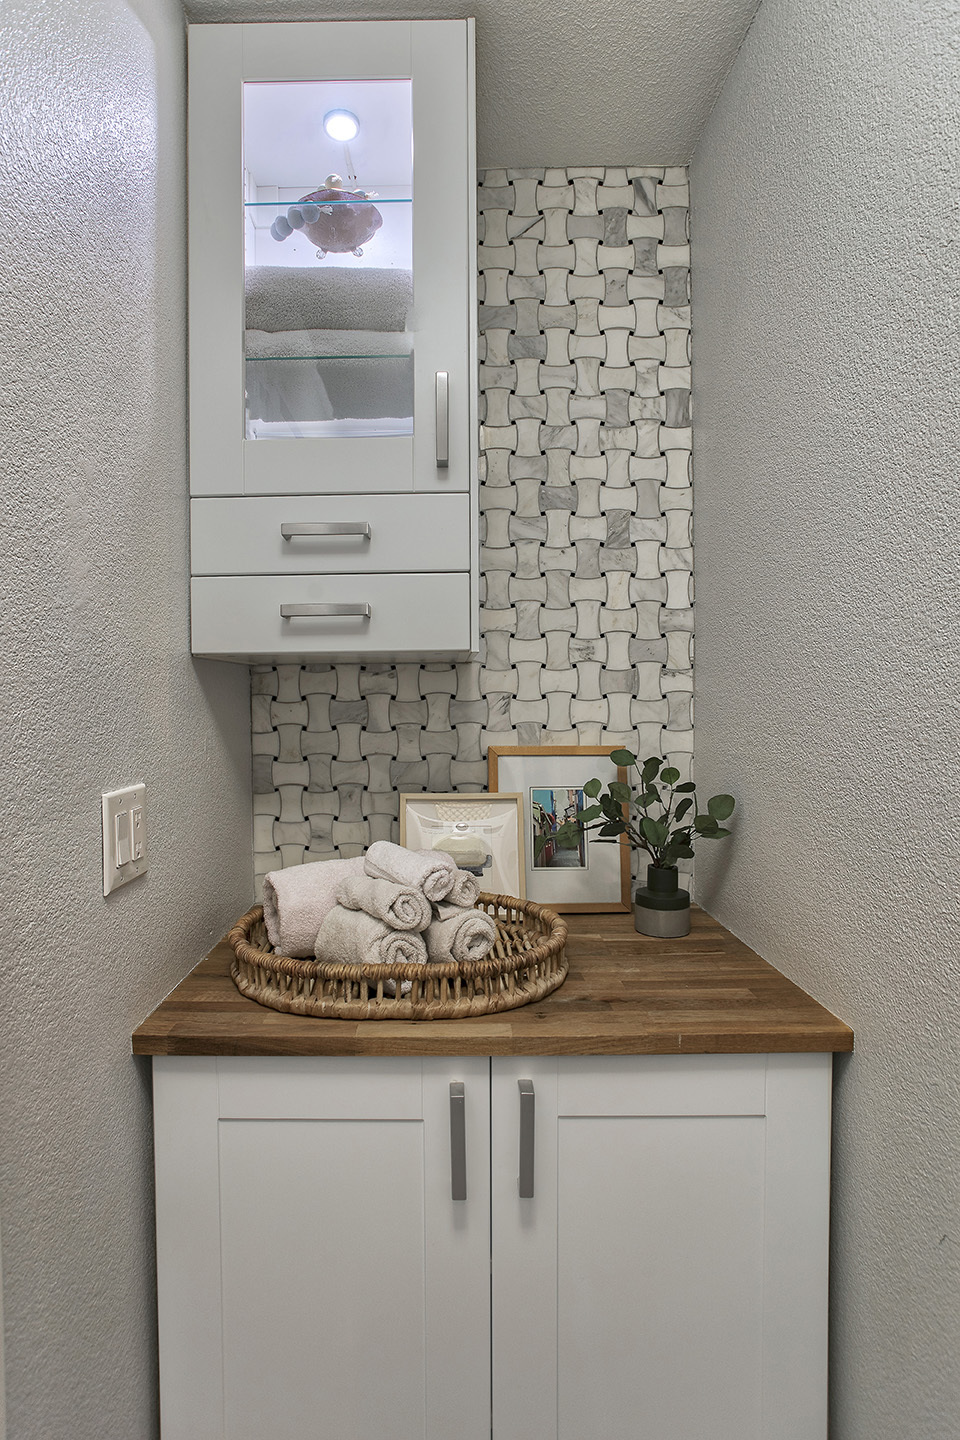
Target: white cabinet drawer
391 534
238 616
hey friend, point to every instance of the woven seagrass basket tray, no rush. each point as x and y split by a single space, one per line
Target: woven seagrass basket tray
527 962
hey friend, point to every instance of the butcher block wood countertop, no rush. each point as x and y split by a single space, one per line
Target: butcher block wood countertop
625 994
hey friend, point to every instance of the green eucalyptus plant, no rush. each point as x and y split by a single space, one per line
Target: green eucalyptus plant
660 816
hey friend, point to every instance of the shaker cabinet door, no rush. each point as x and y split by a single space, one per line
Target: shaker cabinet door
317 1277
667 1274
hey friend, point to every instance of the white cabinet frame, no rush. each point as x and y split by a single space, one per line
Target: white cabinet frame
226 469
748 1135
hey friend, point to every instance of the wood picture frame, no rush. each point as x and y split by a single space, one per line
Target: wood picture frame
564 889
425 815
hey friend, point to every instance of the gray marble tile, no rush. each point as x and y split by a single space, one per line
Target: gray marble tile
615 226
675 225
527 347
645 195
528 467
495 194
645 256
617 410
676 285
558 317
677 407
584 227
523 287
585 191
527 529
498 317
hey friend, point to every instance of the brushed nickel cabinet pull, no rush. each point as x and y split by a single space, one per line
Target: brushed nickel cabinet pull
295 612
458 1141
350 527
528 1102
443 419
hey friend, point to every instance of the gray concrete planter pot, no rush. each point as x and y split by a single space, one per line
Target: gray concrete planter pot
660 907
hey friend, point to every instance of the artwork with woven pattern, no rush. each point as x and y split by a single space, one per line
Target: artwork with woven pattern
586 613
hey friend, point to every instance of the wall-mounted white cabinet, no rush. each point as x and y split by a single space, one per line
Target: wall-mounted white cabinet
573 1248
332 195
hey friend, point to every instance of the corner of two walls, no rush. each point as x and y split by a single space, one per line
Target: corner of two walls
586 613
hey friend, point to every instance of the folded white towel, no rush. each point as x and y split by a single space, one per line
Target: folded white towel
296 900
428 870
459 934
352 937
402 907
465 890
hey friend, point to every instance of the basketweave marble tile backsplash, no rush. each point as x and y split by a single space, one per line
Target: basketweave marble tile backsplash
586 503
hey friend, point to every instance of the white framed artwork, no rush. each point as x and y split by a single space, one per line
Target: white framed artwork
581 875
483 833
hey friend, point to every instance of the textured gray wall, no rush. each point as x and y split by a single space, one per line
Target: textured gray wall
585 615
826 270
625 82
98 691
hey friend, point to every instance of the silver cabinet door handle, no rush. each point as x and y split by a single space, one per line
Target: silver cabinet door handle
458 1141
351 527
528 1104
294 612
443 419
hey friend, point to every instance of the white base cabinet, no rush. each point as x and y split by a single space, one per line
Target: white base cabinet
667 1278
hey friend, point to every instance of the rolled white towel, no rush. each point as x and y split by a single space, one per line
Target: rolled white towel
296 901
430 871
402 907
464 891
352 937
459 934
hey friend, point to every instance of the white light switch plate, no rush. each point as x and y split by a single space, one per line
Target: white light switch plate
124 818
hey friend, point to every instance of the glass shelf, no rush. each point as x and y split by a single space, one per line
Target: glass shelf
330 395
286 204
271 359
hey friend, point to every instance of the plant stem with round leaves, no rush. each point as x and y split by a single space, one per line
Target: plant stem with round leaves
656 779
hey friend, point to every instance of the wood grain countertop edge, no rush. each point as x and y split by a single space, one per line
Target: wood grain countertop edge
708 994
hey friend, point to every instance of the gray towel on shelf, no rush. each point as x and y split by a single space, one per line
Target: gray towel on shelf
269 344
296 900
327 297
352 937
460 934
283 384
428 870
402 907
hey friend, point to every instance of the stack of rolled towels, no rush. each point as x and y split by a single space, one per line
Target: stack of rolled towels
388 906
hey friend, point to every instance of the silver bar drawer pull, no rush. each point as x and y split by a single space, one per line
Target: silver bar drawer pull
458 1141
302 527
443 419
295 612
528 1102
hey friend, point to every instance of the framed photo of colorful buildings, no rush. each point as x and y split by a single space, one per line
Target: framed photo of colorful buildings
568 873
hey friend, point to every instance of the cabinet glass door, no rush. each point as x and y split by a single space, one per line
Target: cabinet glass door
328 259
332 258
